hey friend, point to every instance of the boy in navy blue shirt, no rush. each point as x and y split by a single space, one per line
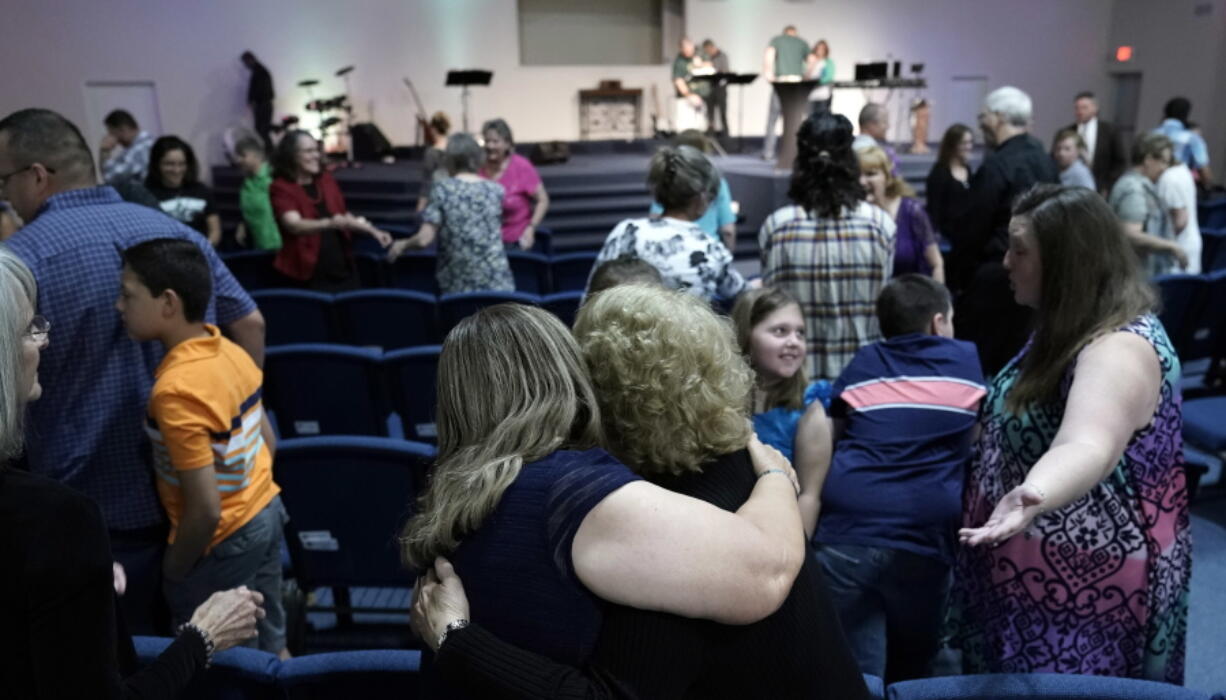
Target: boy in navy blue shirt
904 410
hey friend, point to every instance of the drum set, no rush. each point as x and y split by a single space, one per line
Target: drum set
334 115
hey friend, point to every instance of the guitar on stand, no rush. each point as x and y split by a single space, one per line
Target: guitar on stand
425 132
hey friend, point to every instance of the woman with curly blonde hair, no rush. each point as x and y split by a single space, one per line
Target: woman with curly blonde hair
672 389
542 523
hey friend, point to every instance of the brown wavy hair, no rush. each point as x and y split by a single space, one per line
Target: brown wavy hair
1092 284
751 308
512 389
671 382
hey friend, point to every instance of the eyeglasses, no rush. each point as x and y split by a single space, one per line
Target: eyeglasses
4 179
38 329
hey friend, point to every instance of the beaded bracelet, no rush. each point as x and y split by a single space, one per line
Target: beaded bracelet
780 471
204 637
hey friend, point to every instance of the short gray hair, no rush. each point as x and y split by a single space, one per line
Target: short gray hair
871 113
1011 103
500 127
463 155
17 294
678 174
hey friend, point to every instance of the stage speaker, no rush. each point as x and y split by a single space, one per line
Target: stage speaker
369 143
550 152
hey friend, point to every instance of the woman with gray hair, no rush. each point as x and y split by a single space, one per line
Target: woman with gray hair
62 636
684 182
525 201
465 213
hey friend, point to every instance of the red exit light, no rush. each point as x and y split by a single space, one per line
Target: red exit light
1123 54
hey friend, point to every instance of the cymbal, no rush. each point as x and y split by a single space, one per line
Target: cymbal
346 69
307 83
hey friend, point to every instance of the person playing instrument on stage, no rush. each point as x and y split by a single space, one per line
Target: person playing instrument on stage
692 94
432 167
820 67
526 202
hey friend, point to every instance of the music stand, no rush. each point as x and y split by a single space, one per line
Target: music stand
794 99
465 79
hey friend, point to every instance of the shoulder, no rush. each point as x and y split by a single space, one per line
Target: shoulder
280 185
786 215
39 509
876 216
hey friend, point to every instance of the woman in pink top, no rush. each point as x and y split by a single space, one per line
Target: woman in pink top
525 202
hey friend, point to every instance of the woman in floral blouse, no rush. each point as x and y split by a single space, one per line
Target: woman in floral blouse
684 182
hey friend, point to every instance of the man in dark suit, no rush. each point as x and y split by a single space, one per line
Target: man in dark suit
1105 150
259 98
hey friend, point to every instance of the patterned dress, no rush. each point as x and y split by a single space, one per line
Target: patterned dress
471 257
686 257
1099 586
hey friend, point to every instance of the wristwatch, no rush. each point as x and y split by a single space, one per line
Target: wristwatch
451 627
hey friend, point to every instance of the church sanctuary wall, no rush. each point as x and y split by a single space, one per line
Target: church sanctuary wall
190 50
1052 49
1179 47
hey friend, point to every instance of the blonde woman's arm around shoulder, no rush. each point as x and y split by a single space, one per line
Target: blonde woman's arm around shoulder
650 548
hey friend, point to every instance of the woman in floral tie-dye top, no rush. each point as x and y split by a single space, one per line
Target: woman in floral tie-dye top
1077 477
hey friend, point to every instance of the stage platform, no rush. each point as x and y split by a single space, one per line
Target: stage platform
603 183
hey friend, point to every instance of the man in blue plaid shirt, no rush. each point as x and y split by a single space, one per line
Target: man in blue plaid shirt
87 431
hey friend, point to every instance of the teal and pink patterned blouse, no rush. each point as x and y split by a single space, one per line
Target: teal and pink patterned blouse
1099 586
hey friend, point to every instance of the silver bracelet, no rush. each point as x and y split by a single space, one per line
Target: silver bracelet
209 647
451 627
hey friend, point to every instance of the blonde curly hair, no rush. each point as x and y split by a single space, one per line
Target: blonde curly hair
672 384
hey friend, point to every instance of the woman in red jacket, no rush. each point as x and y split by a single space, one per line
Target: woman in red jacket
316 227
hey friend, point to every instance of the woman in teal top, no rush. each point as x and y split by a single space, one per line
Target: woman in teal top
820 67
789 413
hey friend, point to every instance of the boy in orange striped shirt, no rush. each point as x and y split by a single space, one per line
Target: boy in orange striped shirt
212 444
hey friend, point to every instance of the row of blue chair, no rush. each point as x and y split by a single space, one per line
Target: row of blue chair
1212 214
1194 313
313 389
244 674
534 273
385 318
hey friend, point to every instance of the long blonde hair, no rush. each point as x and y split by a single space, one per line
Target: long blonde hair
18 293
672 385
512 389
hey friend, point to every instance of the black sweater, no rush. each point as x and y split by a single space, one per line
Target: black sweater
57 603
798 652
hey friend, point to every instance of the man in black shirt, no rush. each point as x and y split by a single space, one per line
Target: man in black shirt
259 97
986 311
717 105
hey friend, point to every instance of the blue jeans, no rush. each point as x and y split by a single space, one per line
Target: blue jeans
250 557
891 604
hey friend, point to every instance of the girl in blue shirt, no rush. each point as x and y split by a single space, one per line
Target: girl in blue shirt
789 413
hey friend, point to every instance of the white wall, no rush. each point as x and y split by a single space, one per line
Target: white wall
1178 53
1052 49
190 50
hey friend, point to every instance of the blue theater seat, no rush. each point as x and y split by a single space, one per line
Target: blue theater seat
571 270
320 389
564 305
296 316
387 318
253 269
1037 685
411 378
454 307
531 272
1183 296
383 673
415 272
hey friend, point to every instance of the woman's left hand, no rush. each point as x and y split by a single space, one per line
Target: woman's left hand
383 238
438 600
528 239
1012 515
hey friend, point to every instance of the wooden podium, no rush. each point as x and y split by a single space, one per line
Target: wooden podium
794 100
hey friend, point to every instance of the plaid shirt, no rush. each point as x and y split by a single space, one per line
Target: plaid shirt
835 268
87 430
131 163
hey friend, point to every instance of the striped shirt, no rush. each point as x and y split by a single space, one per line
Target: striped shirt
835 268
908 406
205 411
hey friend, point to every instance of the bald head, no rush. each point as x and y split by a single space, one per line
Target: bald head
42 136
874 121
